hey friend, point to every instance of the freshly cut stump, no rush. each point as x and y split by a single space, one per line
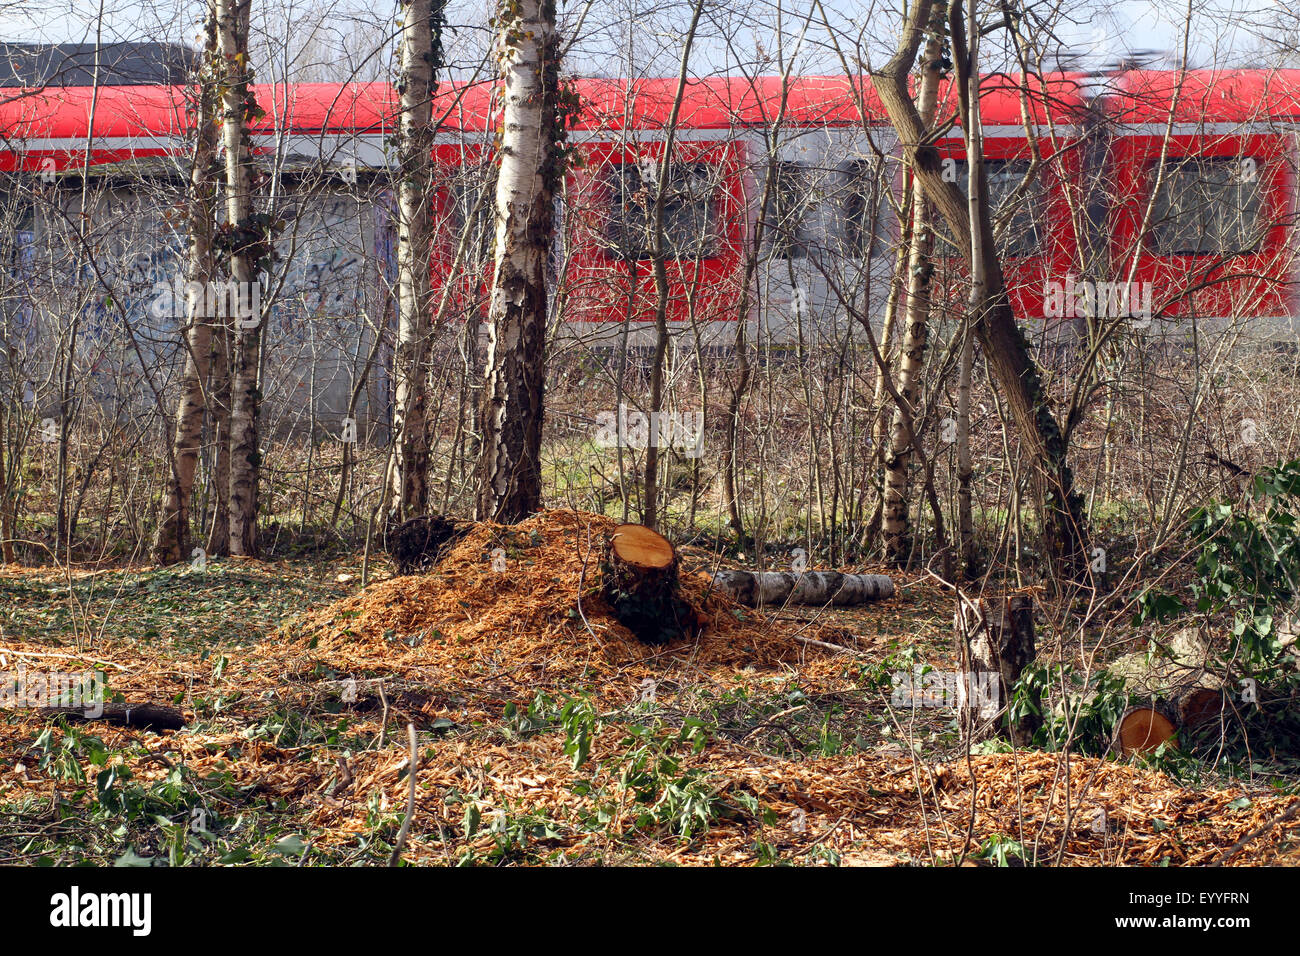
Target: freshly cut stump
639 574
1143 729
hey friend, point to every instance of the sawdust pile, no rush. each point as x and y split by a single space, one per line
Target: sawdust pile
541 623
464 641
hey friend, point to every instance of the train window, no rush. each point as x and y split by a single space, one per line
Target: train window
1207 207
1019 236
16 241
863 204
472 206
689 210
787 219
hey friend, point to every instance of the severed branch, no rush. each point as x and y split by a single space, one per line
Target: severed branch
154 716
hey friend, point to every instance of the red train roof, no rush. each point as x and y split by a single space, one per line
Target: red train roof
1005 99
119 111
1217 96
716 103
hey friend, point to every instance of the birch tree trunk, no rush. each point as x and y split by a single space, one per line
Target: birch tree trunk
1005 349
246 239
895 523
219 418
420 59
510 417
172 536
6 527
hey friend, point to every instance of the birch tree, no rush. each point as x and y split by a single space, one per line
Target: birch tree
245 235
173 525
531 164
421 54
658 255
916 329
977 192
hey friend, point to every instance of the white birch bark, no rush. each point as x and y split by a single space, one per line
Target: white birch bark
757 588
245 240
416 85
895 522
510 418
172 535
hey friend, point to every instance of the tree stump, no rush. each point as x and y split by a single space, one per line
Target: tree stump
639 574
999 640
420 543
1144 728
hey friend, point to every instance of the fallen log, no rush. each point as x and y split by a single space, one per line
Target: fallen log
155 716
639 577
1143 728
1198 705
757 588
420 543
1184 710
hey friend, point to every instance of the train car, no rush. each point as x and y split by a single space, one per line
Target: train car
722 136
321 146
1197 173
611 198
825 174
1203 166
1033 132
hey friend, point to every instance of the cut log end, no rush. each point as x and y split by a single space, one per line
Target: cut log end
641 586
640 547
1200 706
1144 729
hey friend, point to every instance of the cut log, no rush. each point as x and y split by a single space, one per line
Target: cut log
639 574
999 636
420 543
1144 728
757 588
154 716
1199 706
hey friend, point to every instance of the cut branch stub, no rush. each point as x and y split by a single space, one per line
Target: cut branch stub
640 583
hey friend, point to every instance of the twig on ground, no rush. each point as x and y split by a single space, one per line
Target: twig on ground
410 800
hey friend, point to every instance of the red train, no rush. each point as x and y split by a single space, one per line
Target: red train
1158 195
